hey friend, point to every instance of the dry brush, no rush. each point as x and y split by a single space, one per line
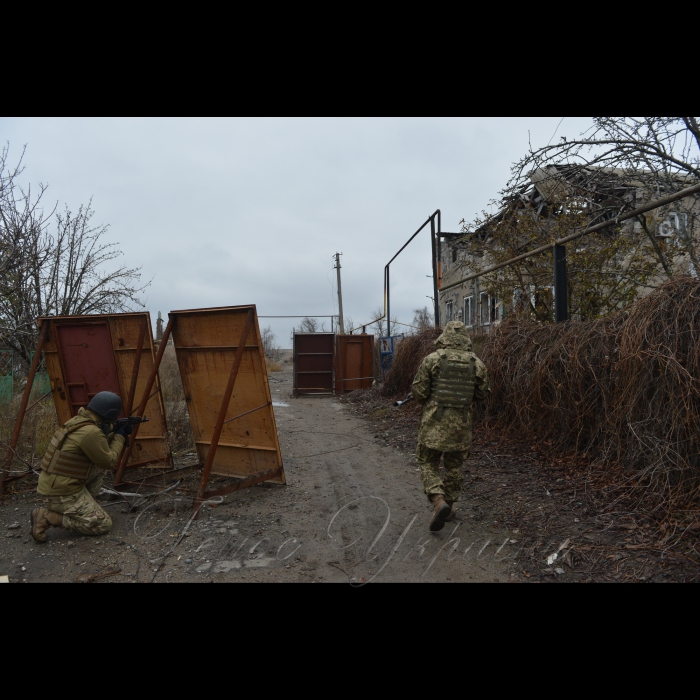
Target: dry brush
624 390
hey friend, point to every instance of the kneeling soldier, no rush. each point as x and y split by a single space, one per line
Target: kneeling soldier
73 469
447 383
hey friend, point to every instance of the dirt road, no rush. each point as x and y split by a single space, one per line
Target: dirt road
352 511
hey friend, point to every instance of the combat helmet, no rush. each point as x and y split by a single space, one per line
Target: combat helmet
106 405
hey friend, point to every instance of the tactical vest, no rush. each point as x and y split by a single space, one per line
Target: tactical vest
455 387
74 465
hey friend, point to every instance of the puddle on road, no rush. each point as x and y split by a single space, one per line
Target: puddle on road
279 404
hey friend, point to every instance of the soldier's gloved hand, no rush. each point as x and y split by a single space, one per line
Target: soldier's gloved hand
124 430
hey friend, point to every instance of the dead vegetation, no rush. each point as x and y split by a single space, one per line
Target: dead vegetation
177 416
623 391
273 365
38 428
612 405
409 354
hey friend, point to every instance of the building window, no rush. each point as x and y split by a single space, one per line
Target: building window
676 222
468 313
488 309
454 255
449 312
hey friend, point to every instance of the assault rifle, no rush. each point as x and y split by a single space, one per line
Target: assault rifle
409 397
131 420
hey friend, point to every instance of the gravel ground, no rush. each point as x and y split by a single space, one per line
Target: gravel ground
353 511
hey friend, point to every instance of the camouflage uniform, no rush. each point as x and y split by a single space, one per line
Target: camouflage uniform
75 497
446 430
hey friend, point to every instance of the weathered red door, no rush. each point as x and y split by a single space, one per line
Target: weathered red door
354 368
88 362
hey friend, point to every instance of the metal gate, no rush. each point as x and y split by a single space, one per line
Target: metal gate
313 363
354 363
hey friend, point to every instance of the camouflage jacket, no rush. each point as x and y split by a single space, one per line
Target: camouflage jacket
102 451
452 432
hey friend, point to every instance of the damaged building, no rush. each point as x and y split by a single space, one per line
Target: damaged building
668 237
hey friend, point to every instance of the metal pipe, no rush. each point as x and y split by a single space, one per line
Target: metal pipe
436 298
147 396
387 286
598 227
43 333
388 301
135 370
237 360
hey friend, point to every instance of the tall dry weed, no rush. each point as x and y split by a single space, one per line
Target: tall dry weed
177 416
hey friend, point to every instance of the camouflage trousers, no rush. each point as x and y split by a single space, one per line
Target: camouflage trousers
81 512
447 483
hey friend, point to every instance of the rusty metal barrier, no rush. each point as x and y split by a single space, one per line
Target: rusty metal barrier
88 354
222 366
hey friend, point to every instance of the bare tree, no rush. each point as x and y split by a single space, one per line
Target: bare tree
309 325
381 325
270 347
657 154
64 271
423 319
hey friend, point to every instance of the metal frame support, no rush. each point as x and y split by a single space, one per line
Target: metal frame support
121 467
36 360
435 245
202 494
561 297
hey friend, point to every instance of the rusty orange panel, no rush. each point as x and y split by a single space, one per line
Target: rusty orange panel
354 363
205 345
88 354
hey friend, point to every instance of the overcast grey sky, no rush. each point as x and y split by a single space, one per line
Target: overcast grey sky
251 210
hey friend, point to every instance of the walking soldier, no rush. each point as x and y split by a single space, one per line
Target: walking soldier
73 468
447 383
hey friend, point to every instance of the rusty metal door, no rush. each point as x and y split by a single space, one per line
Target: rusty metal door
313 363
354 366
85 351
88 354
241 427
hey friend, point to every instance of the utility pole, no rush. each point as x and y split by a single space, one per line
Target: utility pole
341 327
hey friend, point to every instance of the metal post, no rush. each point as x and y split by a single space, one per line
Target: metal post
43 333
238 358
435 273
144 401
135 370
340 295
561 301
388 298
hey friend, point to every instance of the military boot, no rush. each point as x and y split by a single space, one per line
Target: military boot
440 512
452 514
42 519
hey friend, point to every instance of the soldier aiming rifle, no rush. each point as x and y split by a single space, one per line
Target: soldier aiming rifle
73 468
